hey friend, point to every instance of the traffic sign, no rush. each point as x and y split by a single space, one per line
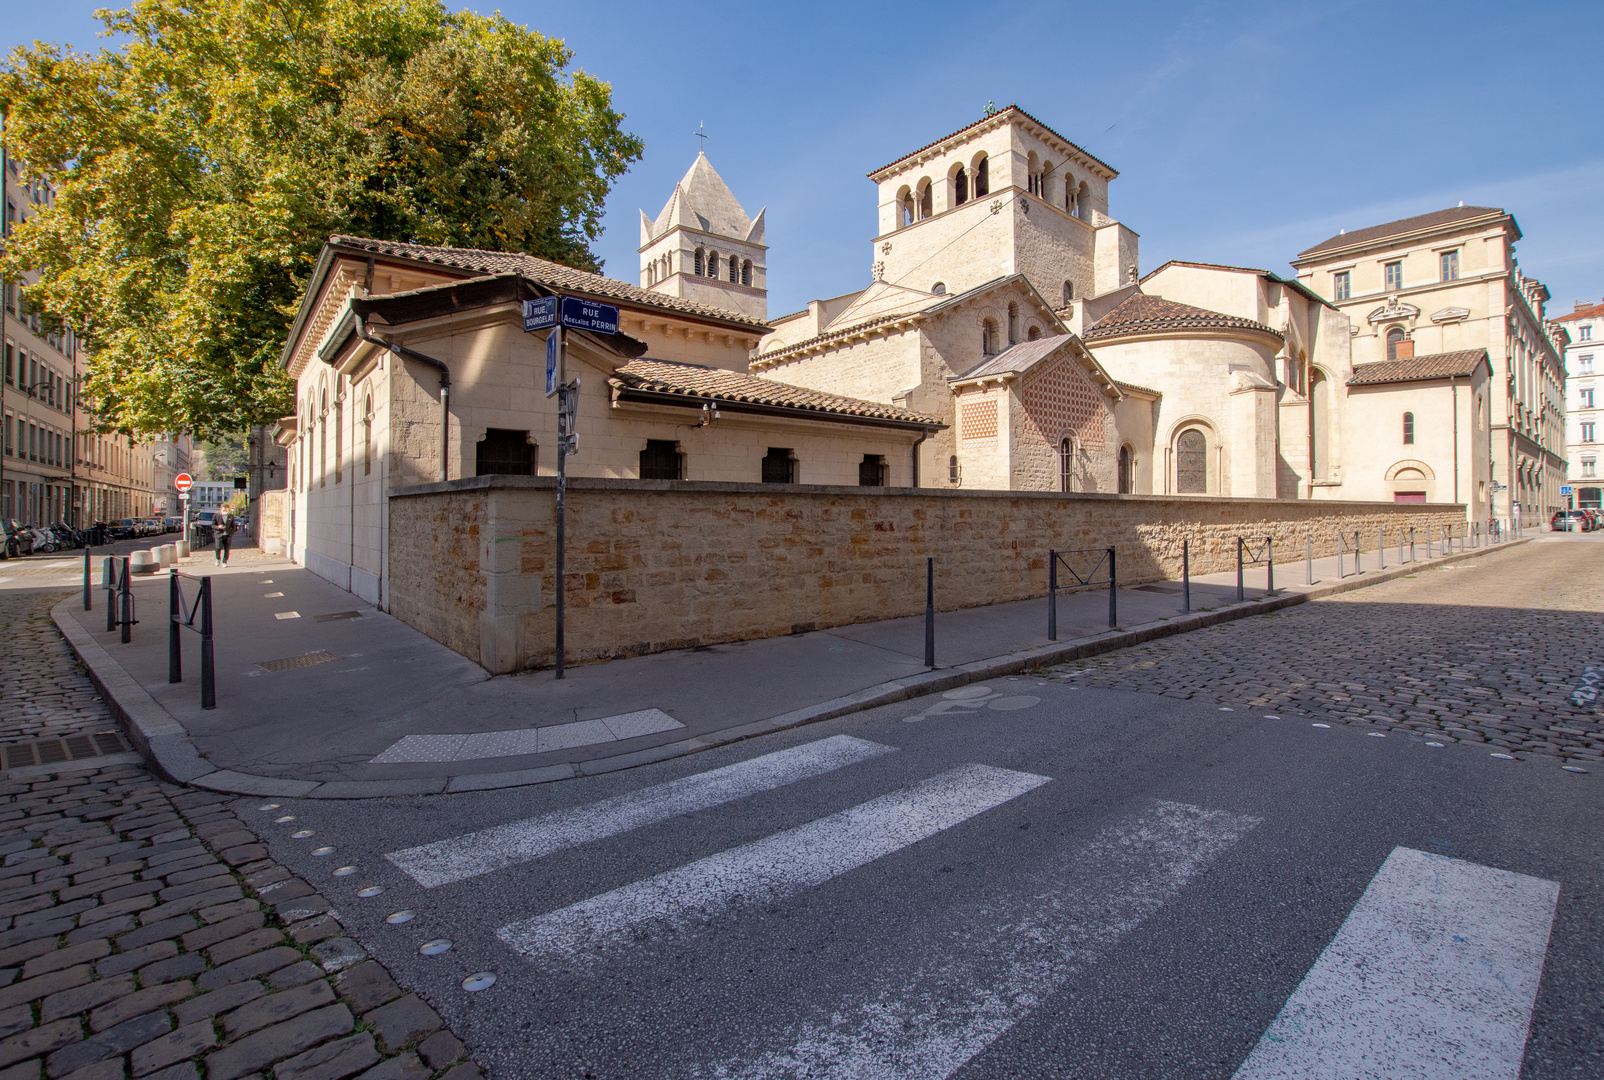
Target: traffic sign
589 315
539 314
182 482
1565 489
551 363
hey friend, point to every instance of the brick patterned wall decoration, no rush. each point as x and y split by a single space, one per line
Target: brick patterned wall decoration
980 418
1060 400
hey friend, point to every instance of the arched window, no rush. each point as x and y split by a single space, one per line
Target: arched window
1192 463
701 262
1032 174
988 337
939 288
746 271
367 436
952 469
1033 333
983 177
712 264
339 436
927 199
1395 337
735 270
1066 464
1013 324
323 438
960 187
1319 425
1080 200
1069 293
1409 428
904 209
1127 470
1069 193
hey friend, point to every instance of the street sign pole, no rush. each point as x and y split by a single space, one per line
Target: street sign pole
560 335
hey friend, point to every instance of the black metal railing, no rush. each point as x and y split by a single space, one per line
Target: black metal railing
181 617
119 586
1254 552
1105 564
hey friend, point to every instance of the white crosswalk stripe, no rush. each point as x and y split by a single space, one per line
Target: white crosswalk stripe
472 854
768 869
1008 957
1433 974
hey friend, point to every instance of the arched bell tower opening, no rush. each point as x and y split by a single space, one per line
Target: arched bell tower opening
702 246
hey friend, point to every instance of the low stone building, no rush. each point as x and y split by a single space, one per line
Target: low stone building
411 365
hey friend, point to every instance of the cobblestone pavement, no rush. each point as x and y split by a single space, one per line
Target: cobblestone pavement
145 933
44 690
1504 649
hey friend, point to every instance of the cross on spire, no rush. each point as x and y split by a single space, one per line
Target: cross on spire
700 134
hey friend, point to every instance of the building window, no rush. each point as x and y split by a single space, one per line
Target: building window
1588 465
339 437
1342 285
939 289
926 199
1069 293
505 453
367 437
1066 464
735 270
1395 338
988 337
1127 471
960 187
1587 398
952 469
712 264
701 262
1409 428
1393 273
746 271
1584 364
779 467
1587 432
872 471
983 177
1586 333
1450 265
1013 324
661 460
1192 463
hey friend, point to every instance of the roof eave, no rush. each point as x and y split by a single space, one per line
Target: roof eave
644 396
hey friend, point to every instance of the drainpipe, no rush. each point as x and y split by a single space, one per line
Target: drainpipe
916 443
1453 386
445 389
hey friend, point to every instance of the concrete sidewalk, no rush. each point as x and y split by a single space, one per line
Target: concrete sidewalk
321 695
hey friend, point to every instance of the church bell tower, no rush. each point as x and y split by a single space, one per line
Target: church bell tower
703 247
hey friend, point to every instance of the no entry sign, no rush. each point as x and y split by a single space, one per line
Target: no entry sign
182 482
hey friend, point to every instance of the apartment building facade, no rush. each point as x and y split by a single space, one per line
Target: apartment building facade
1447 282
1584 402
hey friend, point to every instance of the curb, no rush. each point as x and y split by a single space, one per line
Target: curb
166 745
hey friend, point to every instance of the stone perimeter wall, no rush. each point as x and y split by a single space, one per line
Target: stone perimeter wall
655 565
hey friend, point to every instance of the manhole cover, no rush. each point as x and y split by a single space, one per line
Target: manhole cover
337 615
311 659
71 748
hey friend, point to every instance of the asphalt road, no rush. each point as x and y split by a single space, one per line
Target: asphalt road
1043 881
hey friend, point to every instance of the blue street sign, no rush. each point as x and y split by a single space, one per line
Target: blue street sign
1565 490
588 315
539 314
551 363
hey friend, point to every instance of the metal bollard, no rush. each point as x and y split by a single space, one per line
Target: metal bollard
1269 563
1411 543
1358 555
1186 578
1113 583
89 603
108 581
1428 545
1052 596
1400 546
1239 596
128 604
1381 549
175 627
208 666
930 613
1340 574
1309 566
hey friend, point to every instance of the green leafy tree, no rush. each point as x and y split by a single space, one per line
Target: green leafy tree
200 167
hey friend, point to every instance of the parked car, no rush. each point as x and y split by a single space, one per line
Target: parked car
1571 521
175 524
15 540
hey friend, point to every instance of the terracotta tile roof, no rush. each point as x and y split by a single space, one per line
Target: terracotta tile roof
544 272
717 384
1143 314
1401 227
1460 364
1020 357
1138 389
1586 311
987 119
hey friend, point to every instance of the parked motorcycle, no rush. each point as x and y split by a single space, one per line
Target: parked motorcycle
43 542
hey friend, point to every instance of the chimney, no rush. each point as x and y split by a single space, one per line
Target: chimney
1405 349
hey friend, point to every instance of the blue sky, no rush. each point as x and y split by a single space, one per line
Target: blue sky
1243 132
